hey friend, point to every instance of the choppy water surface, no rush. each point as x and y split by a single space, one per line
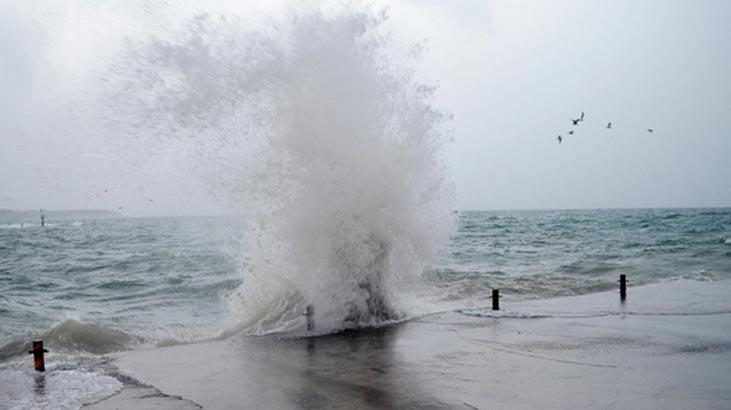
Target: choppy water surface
159 279
539 254
153 278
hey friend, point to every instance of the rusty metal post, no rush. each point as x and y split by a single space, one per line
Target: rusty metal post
623 287
496 299
310 317
37 352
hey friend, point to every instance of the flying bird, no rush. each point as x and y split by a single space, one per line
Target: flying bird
570 132
650 130
578 120
609 125
559 139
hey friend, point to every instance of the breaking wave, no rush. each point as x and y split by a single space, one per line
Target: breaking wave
73 336
319 130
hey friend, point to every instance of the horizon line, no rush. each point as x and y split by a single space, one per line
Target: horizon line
158 215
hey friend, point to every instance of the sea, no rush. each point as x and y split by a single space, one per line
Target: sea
93 287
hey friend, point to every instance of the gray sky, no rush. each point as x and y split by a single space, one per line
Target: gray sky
512 72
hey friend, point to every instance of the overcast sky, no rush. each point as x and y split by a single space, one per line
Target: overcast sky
513 73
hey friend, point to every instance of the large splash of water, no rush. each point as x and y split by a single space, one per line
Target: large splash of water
319 130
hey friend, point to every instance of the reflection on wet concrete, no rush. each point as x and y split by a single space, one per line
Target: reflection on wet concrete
458 361
354 366
39 387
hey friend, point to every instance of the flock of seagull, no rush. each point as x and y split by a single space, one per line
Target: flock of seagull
576 121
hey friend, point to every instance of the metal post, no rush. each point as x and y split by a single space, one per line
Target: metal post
496 299
310 317
623 287
37 353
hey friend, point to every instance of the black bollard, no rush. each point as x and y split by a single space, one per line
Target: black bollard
496 299
623 287
37 353
310 317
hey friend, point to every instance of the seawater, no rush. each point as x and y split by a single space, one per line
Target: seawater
138 281
90 287
549 253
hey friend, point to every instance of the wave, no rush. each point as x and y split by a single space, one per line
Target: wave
73 336
698 276
11 226
589 268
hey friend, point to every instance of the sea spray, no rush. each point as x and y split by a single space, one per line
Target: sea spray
319 130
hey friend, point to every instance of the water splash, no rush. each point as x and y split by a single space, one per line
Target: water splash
319 129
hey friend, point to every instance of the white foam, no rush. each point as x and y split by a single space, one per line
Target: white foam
55 389
15 226
320 131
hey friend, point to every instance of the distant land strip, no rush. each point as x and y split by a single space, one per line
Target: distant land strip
13 215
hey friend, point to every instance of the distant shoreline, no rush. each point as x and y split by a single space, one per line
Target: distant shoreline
14 215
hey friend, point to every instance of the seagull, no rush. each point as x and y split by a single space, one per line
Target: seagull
575 121
650 130
571 132
609 125
559 139
582 116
